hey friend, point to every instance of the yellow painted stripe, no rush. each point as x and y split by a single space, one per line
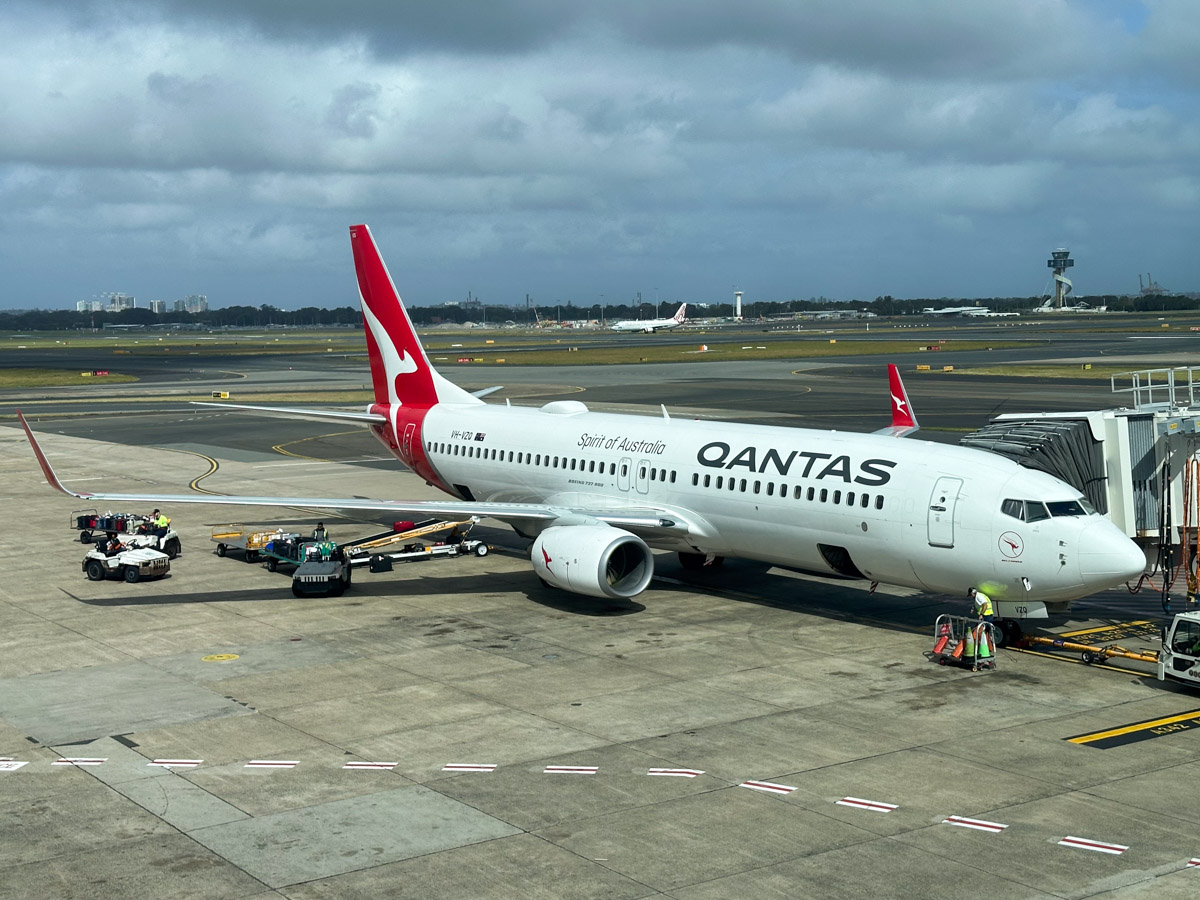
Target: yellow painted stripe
1139 726
1123 626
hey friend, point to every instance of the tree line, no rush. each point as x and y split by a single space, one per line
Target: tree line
266 315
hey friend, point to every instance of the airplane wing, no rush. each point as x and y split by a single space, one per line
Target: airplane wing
640 519
289 412
904 420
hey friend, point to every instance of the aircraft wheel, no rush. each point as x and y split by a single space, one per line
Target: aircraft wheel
173 548
132 575
222 549
95 570
1010 630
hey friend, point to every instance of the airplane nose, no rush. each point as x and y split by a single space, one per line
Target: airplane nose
1108 558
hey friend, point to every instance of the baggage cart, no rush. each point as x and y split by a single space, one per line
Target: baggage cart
237 537
964 641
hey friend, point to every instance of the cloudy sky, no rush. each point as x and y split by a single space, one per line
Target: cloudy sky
579 150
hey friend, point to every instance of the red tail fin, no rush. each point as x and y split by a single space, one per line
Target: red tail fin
400 371
902 414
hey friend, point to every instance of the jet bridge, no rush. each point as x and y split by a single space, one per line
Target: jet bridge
1139 464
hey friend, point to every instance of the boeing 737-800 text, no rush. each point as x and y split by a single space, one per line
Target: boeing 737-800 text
595 492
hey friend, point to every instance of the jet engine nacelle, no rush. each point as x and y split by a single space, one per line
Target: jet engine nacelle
596 560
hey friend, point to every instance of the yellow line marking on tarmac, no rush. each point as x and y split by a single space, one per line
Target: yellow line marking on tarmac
1137 726
1120 627
279 448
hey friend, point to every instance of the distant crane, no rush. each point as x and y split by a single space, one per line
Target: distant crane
1152 288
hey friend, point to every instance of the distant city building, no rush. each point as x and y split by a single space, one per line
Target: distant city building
118 302
89 306
192 303
158 306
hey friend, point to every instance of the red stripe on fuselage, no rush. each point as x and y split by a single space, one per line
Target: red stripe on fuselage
407 445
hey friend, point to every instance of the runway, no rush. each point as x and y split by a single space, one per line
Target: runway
512 730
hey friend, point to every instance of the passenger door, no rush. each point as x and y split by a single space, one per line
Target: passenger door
940 522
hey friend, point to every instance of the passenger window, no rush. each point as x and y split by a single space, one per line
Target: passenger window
783 490
625 470
612 468
720 481
641 472
1014 508
695 476
797 492
849 498
824 495
879 502
837 496
757 486
865 500
672 476
811 493
770 489
707 479
743 487
654 477
1035 511
592 465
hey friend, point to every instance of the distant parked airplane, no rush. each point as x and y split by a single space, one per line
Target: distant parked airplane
649 326
973 311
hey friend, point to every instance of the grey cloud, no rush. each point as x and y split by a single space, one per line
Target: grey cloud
352 111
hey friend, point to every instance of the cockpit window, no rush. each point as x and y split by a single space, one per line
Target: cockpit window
1035 511
1069 507
1014 508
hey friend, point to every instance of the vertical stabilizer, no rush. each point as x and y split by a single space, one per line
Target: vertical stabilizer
904 420
681 314
400 371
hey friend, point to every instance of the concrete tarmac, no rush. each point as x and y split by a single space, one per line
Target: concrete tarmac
746 674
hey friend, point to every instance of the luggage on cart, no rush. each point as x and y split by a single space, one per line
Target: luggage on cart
964 641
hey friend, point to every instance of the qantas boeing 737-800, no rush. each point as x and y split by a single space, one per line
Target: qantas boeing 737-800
596 491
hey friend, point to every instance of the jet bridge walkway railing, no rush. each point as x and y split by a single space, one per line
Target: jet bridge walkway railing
1159 388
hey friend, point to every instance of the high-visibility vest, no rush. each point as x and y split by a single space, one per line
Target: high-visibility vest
983 605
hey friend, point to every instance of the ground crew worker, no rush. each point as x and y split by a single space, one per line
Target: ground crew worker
160 523
983 605
319 533
114 544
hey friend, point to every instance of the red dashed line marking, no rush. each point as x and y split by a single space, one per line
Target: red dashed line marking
677 773
768 787
272 764
570 770
977 824
469 767
1098 846
873 805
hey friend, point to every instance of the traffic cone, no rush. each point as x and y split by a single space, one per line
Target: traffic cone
983 641
970 642
958 650
943 638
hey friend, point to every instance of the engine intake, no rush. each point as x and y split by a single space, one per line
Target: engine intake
595 560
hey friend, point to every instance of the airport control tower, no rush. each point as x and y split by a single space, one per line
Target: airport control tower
1062 284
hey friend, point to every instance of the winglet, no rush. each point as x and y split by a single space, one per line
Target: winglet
51 478
904 421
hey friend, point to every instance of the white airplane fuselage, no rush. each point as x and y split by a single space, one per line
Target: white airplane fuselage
903 512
